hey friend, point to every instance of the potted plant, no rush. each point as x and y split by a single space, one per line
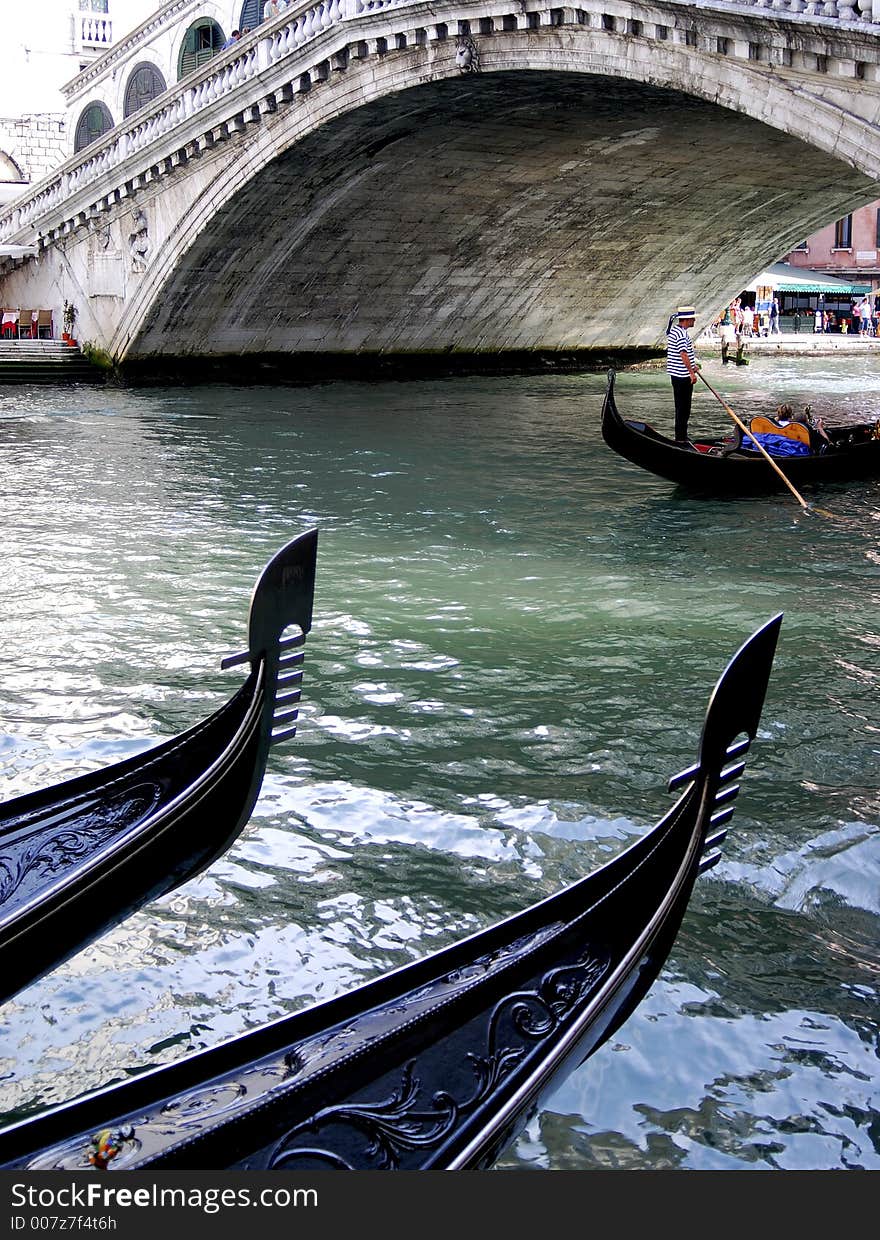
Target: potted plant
69 318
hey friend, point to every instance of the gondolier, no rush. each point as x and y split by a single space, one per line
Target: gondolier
720 466
681 366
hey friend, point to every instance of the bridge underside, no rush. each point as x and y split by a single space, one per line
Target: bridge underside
495 213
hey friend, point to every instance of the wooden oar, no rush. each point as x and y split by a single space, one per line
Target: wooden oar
766 455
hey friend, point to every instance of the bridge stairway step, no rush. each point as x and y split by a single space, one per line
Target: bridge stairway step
36 348
45 361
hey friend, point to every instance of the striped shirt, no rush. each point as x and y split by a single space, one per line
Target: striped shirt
678 341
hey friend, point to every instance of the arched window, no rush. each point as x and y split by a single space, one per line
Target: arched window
9 169
145 83
251 14
94 121
202 41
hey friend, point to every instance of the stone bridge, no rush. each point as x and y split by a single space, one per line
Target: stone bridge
478 176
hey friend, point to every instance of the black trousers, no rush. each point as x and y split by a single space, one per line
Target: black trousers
683 392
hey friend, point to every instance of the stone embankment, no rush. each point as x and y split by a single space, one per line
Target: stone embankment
794 344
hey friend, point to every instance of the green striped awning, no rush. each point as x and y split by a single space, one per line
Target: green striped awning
783 278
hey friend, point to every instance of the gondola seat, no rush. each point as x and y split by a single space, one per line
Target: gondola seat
788 430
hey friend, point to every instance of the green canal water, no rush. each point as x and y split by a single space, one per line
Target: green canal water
515 639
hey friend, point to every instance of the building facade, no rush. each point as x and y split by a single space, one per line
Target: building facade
45 45
848 249
73 69
177 38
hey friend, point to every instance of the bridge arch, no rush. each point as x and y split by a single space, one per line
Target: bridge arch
9 168
557 188
797 183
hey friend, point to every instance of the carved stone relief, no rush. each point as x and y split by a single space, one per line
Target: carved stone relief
139 242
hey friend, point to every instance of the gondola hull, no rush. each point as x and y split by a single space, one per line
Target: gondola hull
709 471
77 858
438 1065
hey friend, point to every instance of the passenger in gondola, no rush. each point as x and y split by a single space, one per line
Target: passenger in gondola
682 367
819 440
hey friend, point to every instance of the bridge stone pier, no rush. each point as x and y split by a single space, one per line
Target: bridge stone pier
489 176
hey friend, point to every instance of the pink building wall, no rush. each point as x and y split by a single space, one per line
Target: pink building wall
860 259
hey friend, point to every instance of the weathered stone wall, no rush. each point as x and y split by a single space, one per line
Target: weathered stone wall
37 143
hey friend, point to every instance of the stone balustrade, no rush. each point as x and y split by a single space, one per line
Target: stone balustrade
844 12
95 31
308 41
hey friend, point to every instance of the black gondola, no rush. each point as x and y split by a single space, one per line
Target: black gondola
78 857
437 1065
713 470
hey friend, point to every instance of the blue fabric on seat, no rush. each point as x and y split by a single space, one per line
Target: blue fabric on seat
776 445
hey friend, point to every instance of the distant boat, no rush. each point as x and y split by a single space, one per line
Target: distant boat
439 1064
78 857
712 470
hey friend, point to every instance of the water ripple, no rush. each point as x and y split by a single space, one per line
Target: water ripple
516 634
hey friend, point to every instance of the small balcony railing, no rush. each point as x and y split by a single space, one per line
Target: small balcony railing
94 25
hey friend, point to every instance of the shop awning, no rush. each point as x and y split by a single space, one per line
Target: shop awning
783 278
